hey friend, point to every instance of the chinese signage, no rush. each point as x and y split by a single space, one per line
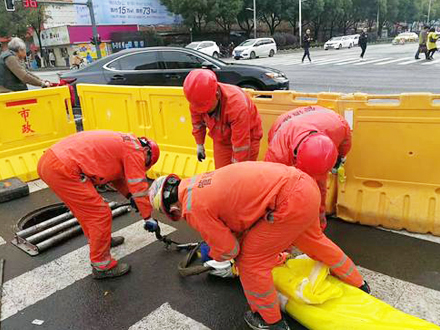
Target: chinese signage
120 45
54 36
26 127
140 12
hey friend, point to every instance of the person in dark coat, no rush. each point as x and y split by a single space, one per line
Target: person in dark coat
307 39
363 40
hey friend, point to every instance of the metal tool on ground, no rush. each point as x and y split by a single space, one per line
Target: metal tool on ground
57 226
153 226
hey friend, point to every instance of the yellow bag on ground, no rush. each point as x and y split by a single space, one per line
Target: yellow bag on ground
320 301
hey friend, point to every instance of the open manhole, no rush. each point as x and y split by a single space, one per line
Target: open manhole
50 225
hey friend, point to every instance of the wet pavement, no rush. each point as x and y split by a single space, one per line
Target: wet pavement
56 287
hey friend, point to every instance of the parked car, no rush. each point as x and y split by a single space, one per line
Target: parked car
206 47
401 38
355 38
253 48
339 43
169 66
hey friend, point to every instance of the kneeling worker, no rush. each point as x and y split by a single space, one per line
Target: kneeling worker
251 212
75 165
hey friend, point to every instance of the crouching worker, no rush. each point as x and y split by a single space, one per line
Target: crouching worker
72 168
251 212
313 139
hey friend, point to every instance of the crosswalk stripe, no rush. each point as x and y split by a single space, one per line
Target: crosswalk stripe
349 62
373 61
337 61
166 318
36 185
393 61
431 62
43 281
410 298
409 62
2 241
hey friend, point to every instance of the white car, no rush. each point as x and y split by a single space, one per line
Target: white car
253 48
339 43
355 38
207 47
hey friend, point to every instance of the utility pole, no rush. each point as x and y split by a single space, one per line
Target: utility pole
255 19
94 28
429 10
300 22
377 19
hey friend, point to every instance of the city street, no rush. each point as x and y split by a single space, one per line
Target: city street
56 286
386 69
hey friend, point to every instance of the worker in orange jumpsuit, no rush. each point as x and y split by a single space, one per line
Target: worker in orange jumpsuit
72 168
232 118
251 212
313 139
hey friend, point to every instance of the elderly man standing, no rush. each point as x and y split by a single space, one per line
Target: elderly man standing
13 73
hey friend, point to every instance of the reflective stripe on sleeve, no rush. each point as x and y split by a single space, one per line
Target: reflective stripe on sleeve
240 149
340 263
137 180
233 253
260 295
142 193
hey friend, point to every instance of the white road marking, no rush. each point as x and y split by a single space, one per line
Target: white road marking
373 61
36 185
409 62
2 241
394 61
166 318
330 62
41 282
349 62
426 237
431 62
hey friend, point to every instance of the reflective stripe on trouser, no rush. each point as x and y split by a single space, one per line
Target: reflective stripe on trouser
297 207
223 153
83 200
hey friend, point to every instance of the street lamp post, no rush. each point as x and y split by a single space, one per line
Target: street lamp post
300 21
429 10
254 10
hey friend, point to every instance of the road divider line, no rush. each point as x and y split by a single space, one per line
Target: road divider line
425 237
394 61
373 61
31 287
166 318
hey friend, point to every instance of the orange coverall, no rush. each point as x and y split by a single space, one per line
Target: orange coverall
252 211
72 168
290 128
235 127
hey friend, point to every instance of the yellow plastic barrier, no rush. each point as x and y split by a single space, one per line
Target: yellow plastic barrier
160 113
31 122
322 302
392 173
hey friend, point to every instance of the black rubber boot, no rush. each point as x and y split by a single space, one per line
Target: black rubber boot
256 322
117 240
119 270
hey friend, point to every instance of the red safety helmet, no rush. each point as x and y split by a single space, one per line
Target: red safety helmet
316 154
200 88
152 150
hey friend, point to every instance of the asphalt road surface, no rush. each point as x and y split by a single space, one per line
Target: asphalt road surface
56 286
386 69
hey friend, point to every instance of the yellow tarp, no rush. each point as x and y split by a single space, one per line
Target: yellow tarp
322 302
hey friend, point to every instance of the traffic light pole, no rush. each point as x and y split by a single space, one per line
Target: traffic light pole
95 29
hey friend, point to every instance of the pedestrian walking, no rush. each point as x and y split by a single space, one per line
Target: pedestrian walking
363 40
52 59
431 43
89 58
75 165
307 39
251 212
13 74
423 37
230 115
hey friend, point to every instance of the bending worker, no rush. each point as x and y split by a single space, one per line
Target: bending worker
251 212
72 168
13 73
232 118
313 139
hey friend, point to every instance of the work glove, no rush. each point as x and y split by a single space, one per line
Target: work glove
365 287
151 225
133 204
220 268
339 162
45 84
201 155
204 251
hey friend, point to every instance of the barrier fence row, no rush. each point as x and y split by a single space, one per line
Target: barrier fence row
391 175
